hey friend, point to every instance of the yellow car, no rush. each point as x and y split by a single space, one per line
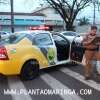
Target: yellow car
25 52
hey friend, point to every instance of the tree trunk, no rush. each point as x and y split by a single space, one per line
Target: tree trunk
70 27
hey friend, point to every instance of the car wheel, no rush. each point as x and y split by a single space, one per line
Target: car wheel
30 70
74 63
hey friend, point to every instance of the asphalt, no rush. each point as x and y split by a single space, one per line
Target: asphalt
4 86
38 83
49 79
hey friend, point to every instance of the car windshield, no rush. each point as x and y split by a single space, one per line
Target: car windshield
70 34
12 39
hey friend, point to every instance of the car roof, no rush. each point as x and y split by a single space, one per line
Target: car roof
33 31
68 31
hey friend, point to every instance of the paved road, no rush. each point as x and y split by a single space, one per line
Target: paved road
66 82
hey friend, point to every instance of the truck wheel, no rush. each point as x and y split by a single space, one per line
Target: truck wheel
30 70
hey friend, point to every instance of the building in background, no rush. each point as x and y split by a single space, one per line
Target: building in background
22 21
51 18
42 16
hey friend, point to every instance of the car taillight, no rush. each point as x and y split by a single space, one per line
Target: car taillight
3 53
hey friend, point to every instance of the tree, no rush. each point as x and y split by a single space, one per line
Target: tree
69 9
83 21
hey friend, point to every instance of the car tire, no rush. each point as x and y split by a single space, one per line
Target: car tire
30 70
74 63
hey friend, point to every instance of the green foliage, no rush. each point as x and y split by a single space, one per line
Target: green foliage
83 21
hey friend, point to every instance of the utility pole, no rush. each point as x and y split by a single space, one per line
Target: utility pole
94 11
12 16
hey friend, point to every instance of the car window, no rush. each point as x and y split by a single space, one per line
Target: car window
14 38
3 33
42 39
29 37
59 38
70 34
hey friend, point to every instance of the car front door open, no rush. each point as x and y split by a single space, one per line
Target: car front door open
77 51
